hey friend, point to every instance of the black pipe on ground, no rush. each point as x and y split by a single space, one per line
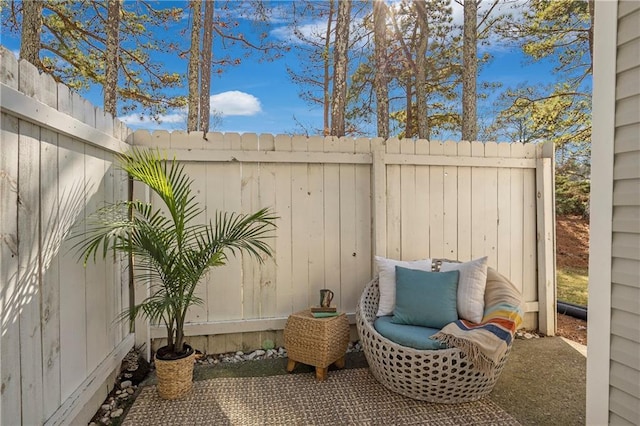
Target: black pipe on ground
571 309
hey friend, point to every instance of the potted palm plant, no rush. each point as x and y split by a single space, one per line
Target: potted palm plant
172 251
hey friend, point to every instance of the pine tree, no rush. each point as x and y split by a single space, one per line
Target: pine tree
111 57
340 68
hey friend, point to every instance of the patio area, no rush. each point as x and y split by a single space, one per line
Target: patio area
543 383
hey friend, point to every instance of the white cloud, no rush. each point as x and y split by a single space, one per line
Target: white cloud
235 102
141 119
225 104
313 30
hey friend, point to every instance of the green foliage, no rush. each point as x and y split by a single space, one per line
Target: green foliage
572 196
73 50
171 250
268 344
560 31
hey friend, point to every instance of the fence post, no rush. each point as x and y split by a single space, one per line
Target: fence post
379 188
546 241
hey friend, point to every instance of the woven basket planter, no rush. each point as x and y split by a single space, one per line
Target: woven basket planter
443 376
175 377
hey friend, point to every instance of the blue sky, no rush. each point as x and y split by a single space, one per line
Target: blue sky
258 96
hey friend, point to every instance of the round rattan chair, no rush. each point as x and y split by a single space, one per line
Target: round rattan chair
443 375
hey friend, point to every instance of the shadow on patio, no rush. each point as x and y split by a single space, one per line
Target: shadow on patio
543 383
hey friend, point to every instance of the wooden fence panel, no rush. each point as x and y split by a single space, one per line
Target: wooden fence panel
456 200
58 346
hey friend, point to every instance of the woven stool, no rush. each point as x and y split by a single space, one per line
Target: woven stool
318 342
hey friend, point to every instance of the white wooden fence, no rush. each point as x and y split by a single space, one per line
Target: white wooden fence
342 200
60 348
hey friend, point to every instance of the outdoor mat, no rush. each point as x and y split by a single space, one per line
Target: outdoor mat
347 397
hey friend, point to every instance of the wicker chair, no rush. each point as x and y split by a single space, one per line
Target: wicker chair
443 376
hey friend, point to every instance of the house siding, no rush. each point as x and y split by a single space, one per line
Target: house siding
624 373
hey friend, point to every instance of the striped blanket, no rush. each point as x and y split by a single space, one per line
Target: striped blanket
485 343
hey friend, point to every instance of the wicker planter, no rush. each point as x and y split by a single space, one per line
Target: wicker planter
175 376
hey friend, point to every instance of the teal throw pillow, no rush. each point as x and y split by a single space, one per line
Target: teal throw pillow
427 299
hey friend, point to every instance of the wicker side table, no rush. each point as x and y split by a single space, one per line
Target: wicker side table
318 342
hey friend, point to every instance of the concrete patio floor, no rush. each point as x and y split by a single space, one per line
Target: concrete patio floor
543 382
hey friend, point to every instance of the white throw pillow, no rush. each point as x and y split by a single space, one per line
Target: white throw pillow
387 280
471 286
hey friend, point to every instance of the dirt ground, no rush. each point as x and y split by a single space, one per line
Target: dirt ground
572 251
572 242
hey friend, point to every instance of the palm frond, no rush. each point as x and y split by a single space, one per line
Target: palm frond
172 252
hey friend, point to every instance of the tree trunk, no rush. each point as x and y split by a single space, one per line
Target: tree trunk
469 71
205 73
194 62
421 68
327 72
408 132
339 98
380 79
31 29
111 57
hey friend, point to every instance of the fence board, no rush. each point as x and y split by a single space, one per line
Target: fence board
379 195
10 344
50 240
529 281
315 230
96 302
479 212
268 278
408 220
198 173
464 194
363 251
29 272
73 326
283 243
348 234
436 204
422 197
393 194
331 183
516 247
450 205
299 214
505 233
491 206
8 68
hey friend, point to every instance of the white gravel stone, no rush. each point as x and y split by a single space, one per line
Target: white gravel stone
117 413
125 384
106 407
